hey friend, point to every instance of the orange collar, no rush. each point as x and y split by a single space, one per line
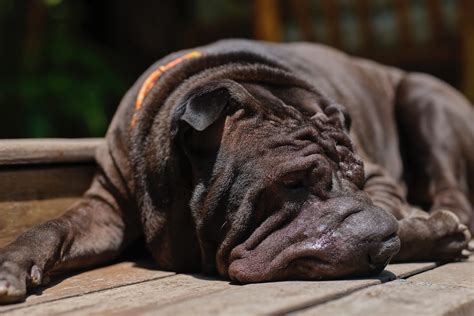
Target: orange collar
153 78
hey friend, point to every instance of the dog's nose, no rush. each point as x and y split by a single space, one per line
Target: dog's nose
382 252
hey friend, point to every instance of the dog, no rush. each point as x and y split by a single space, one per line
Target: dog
264 162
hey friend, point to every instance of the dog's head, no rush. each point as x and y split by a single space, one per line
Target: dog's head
277 187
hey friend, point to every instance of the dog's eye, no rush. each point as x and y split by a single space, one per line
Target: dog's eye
293 184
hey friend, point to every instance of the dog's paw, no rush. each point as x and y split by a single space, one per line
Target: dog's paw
12 283
437 237
450 236
15 278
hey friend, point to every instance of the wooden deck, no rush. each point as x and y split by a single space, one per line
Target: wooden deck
133 288
40 179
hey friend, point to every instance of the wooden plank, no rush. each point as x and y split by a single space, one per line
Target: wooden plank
453 274
125 299
280 297
34 151
447 290
101 279
404 270
185 294
265 298
401 297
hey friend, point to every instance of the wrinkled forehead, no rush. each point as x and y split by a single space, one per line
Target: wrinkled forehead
260 141
274 144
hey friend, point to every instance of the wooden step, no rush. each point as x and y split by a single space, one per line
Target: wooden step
40 179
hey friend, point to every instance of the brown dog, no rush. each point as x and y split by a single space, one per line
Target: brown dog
268 162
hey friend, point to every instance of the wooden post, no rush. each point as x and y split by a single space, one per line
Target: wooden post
267 20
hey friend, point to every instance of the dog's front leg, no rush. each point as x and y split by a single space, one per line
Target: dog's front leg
424 236
93 231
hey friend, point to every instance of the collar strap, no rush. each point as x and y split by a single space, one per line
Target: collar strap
153 78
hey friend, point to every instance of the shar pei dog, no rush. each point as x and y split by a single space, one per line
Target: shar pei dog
264 162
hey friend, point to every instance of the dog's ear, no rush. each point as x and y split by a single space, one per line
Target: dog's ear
199 111
198 123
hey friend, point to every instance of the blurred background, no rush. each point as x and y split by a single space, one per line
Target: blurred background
64 64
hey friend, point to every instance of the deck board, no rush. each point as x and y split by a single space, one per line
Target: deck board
280 297
96 280
129 289
446 290
131 298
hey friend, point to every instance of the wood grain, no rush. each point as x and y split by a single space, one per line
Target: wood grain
279 297
24 183
101 279
129 299
105 291
446 290
30 195
39 181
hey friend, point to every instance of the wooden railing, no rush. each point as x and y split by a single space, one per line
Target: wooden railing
441 47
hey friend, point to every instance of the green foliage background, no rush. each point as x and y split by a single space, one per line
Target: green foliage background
54 82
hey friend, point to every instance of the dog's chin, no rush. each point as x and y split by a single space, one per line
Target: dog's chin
239 272
304 268
301 262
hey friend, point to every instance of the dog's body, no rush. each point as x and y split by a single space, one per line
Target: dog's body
237 158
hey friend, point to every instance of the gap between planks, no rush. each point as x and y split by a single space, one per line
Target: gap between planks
401 276
446 290
276 298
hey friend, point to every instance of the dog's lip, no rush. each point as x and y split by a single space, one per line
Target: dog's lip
391 244
242 269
